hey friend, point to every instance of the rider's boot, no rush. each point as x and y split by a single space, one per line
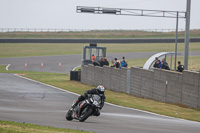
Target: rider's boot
75 104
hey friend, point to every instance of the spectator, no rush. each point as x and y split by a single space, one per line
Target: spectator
93 57
165 61
124 62
157 63
180 67
116 63
104 62
95 63
164 66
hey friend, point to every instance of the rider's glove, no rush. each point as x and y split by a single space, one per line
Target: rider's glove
86 95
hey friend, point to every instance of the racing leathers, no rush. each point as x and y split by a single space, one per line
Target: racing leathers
91 91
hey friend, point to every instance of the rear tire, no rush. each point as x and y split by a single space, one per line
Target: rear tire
86 115
69 115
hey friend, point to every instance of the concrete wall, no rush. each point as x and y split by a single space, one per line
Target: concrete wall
112 78
199 92
107 77
167 86
162 85
174 87
84 74
141 82
190 89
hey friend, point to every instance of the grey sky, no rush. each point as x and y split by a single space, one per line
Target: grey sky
61 14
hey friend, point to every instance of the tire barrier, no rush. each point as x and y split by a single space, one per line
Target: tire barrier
163 40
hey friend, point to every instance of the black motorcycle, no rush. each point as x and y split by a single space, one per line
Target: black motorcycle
90 106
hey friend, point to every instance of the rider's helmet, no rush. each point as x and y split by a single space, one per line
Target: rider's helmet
100 88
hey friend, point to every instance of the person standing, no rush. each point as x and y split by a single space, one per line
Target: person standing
180 67
116 63
164 66
104 62
165 62
124 62
95 63
157 63
93 57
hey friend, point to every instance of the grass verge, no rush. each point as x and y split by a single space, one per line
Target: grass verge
62 81
44 49
13 127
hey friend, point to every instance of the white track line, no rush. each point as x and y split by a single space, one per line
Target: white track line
105 102
7 67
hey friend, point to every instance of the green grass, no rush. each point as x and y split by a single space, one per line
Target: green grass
44 49
62 81
13 127
149 47
98 34
38 49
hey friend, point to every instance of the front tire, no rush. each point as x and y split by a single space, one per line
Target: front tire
69 115
89 110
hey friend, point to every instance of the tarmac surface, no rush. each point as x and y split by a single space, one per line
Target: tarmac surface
68 62
23 100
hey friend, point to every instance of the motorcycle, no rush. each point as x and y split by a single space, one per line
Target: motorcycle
90 106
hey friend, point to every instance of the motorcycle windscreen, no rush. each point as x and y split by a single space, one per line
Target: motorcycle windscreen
96 98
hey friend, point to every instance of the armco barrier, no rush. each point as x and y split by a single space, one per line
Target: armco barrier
162 85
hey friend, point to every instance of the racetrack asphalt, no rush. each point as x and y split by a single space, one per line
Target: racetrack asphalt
68 62
23 100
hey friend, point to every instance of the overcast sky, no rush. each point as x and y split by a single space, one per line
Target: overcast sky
61 14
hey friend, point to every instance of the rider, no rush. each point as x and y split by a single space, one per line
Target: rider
99 91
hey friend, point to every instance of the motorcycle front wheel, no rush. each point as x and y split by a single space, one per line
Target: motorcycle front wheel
87 111
69 115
